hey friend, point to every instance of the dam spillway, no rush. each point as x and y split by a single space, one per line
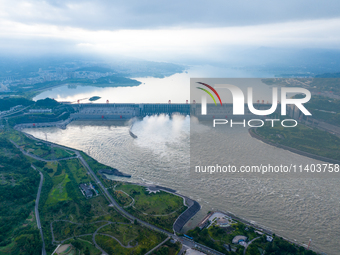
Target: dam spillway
128 111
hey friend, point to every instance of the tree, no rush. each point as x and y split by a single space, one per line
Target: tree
40 164
252 250
78 245
87 251
164 250
47 102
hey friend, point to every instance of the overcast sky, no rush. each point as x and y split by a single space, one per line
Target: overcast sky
167 30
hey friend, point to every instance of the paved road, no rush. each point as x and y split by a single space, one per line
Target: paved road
128 246
9 114
192 244
62 241
333 129
37 210
159 245
94 240
113 201
133 200
36 157
245 248
120 209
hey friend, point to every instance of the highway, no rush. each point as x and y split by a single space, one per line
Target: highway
113 201
11 113
36 157
37 210
184 241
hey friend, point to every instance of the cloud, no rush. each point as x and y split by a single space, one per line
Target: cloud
155 14
178 41
166 30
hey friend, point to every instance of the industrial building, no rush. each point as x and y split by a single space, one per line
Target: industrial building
40 110
86 189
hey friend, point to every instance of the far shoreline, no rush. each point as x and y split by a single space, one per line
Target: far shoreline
254 134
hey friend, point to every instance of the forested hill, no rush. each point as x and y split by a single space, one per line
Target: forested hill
18 190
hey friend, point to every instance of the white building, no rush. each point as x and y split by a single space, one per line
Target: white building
269 238
40 110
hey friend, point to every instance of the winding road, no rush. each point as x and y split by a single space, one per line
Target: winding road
111 200
245 248
36 209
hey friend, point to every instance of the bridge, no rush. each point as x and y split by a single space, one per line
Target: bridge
128 111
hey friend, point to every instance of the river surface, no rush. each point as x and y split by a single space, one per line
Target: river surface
296 208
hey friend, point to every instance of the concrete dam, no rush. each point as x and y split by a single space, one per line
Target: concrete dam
91 111
128 111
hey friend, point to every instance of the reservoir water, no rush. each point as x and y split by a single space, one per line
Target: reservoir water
299 208
152 90
296 208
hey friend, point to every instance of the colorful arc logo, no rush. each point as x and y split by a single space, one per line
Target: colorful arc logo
209 93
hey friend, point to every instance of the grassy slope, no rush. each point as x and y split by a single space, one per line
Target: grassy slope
62 201
18 188
305 139
162 208
37 148
146 239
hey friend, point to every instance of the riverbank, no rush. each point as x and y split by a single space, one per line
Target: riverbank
253 133
114 172
124 157
219 230
183 218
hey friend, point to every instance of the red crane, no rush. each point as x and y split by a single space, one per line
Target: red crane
310 240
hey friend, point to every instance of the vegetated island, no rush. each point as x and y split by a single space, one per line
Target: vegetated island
95 98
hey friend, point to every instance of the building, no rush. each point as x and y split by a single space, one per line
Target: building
14 108
3 87
239 239
269 238
223 222
86 190
40 110
11 110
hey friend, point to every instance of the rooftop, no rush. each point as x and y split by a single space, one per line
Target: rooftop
238 239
